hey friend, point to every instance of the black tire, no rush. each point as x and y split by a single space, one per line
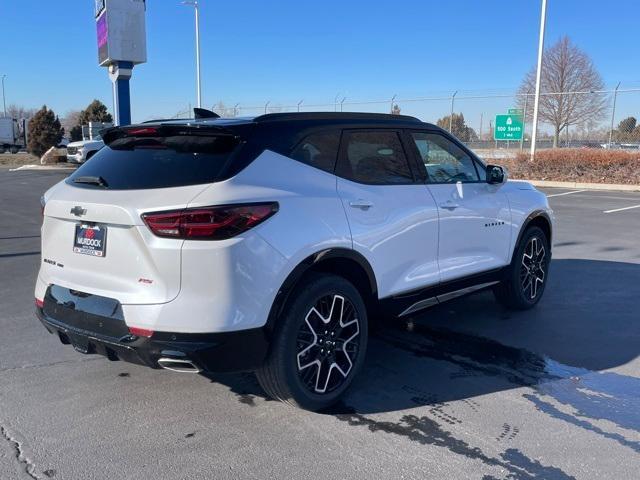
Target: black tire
14 150
290 373
528 273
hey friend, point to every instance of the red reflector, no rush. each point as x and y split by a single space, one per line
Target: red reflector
209 223
140 332
39 303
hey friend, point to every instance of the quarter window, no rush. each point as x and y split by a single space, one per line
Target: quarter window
443 160
374 157
319 150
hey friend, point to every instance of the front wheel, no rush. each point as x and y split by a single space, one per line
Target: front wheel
528 273
319 344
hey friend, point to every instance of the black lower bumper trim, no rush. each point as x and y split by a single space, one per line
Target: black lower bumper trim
211 352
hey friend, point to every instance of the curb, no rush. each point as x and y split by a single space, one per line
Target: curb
585 186
43 167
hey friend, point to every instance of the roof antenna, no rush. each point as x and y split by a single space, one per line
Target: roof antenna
204 113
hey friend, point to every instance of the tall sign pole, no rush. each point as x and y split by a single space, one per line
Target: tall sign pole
196 6
120 25
536 99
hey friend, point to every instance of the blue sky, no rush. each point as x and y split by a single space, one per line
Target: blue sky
284 51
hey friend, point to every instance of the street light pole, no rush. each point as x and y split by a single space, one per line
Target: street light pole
4 103
613 113
453 97
536 99
194 4
300 103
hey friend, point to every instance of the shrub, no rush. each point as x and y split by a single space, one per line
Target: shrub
44 131
588 165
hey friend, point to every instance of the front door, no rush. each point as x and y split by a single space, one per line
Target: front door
474 234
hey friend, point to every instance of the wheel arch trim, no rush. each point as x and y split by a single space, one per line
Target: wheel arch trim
305 266
527 221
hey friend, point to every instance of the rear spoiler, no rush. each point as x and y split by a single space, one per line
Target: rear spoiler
109 135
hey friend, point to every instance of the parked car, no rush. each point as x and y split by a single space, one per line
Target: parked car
83 150
269 244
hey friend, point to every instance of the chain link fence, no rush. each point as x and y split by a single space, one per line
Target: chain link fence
564 118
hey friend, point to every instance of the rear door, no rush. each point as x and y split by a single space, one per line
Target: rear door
474 234
393 218
93 236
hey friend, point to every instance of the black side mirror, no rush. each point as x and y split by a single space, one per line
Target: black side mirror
496 175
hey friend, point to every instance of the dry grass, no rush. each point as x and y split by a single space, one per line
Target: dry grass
577 165
18 159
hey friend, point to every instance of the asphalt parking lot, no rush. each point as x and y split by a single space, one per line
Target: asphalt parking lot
466 390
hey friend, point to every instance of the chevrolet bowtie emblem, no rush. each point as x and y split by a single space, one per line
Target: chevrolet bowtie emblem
78 211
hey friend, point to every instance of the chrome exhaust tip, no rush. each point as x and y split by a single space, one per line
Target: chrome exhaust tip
179 365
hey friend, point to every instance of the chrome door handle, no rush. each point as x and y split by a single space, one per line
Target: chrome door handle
449 205
361 204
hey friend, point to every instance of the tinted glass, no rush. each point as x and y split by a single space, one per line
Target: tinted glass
444 161
319 150
375 157
157 162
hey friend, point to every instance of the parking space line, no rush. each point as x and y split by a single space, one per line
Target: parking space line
565 193
621 209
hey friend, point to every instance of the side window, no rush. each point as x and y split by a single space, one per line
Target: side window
374 157
443 160
319 150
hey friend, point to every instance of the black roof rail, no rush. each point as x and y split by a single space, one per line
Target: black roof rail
269 117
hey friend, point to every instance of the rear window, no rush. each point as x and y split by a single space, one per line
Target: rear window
136 163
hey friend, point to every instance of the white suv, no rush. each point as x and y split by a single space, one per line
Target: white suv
83 150
268 244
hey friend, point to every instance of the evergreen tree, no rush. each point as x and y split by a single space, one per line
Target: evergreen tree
44 131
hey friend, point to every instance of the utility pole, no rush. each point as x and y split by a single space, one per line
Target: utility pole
613 112
392 100
194 4
453 97
300 103
342 102
536 101
480 135
4 103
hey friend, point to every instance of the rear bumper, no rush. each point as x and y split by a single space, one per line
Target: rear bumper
209 352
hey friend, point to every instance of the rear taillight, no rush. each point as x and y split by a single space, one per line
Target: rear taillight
39 303
209 223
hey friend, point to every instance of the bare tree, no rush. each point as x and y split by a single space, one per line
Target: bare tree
221 109
566 68
19 112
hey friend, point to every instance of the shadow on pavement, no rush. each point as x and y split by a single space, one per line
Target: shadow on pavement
586 323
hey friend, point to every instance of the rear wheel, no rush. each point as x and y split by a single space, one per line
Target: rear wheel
319 345
14 150
528 273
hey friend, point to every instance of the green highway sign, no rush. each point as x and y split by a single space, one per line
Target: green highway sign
508 127
515 111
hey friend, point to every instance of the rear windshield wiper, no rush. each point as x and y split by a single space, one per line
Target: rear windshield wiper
91 180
